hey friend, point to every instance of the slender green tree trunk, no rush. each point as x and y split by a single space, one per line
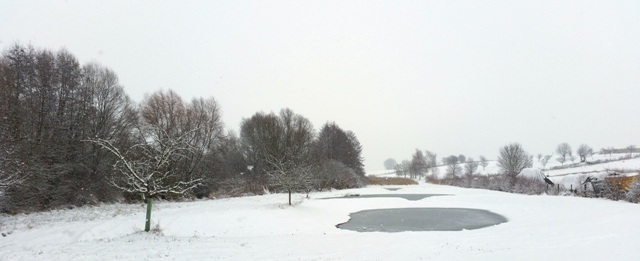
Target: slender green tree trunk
147 224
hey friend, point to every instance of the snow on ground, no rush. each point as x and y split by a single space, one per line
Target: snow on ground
264 228
567 177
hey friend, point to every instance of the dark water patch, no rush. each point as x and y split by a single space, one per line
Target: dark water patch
421 219
404 196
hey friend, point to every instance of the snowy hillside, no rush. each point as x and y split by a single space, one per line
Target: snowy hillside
264 228
565 176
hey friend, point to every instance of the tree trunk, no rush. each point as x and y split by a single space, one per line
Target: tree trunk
147 224
289 197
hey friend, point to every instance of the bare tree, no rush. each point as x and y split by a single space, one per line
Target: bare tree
146 168
288 176
539 156
168 146
631 149
483 162
512 159
418 164
561 160
545 160
470 168
390 163
583 151
564 150
432 159
453 170
462 158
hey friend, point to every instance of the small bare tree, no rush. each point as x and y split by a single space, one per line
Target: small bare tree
512 159
286 175
452 166
561 160
631 149
564 150
432 163
483 162
583 151
146 168
470 168
545 160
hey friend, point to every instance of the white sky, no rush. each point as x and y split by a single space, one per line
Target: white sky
454 77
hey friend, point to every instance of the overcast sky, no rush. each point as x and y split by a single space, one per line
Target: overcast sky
453 77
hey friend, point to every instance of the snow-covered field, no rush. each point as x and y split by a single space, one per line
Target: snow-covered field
265 228
566 176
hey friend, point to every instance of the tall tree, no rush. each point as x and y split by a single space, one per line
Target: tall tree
343 146
267 138
418 164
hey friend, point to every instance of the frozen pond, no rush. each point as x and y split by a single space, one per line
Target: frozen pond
404 196
421 219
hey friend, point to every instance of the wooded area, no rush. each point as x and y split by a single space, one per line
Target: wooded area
70 136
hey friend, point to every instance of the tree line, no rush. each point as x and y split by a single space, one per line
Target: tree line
70 136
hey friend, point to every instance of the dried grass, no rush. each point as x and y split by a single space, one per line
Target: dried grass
391 181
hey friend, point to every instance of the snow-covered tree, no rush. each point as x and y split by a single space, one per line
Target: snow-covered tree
286 175
147 168
166 147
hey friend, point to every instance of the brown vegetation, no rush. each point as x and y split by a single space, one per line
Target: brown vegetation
391 181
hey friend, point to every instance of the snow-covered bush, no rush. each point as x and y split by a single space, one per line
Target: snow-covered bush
633 195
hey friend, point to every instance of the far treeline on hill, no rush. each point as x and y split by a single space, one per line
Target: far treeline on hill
70 136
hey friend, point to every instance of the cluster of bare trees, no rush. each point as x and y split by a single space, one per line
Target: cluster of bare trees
565 153
49 103
283 152
420 165
69 135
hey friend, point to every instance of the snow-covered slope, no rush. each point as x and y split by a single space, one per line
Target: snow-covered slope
264 228
565 176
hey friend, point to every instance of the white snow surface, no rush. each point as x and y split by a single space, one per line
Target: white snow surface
265 228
